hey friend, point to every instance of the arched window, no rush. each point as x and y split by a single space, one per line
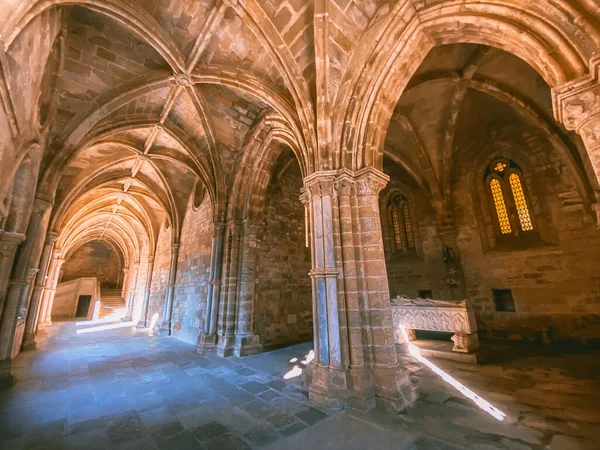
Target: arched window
401 223
509 200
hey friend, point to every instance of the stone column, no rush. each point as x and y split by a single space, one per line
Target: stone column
126 275
12 326
246 342
577 105
38 290
166 326
355 356
48 296
9 243
143 322
131 291
208 337
227 305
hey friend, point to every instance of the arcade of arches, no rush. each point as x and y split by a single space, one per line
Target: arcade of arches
243 175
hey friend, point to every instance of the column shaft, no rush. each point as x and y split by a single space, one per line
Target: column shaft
166 327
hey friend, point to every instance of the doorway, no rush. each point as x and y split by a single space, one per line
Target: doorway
83 305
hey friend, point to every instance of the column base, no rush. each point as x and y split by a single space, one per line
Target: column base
360 388
28 343
394 389
207 344
44 325
326 386
141 324
6 378
247 345
164 330
225 346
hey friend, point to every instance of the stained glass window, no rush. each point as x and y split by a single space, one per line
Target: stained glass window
520 202
397 228
410 240
500 206
500 166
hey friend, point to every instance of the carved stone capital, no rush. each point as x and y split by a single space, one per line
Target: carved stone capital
345 186
51 237
9 242
319 184
304 198
370 181
578 102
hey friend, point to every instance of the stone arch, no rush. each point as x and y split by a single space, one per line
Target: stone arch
367 102
22 190
253 169
135 19
52 67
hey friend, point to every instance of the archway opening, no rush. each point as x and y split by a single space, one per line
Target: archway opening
91 283
283 310
497 193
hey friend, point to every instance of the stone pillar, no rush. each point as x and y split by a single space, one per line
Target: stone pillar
246 342
208 338
577 106
9 243
12 325
355 355
37 295
48 296
126 275
227 306
143 322
166 326
133 278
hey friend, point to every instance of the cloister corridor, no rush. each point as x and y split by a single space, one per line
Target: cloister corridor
300 224
93 386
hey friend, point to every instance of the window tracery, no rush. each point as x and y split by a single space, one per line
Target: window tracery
404 239
509 199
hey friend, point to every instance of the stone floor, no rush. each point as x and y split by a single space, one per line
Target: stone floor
123 389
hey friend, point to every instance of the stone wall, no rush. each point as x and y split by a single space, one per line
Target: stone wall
193 270
423 267
160 275
283 309
556 283
95 259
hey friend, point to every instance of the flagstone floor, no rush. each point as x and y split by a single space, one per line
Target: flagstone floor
121 388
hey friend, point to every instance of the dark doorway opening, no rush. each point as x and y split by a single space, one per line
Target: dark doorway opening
83 305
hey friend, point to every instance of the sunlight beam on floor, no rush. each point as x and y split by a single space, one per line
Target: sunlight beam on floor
111 326
478 400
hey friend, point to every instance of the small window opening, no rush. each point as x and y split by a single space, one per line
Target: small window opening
504 300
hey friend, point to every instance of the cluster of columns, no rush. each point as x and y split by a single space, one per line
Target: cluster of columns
229 319
355 355
19 303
